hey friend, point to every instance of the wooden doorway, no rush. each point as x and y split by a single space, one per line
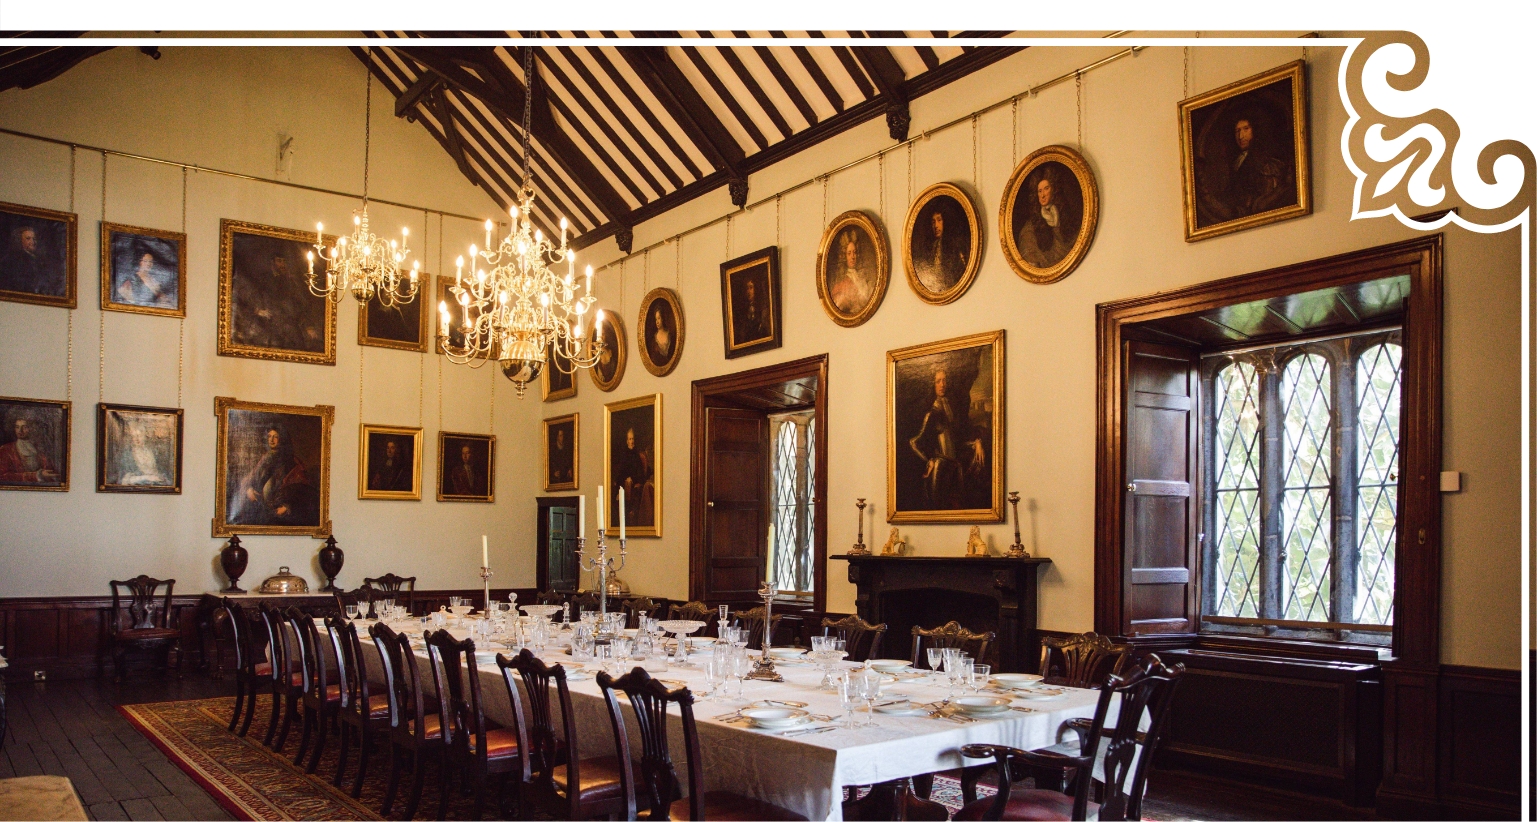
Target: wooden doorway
730 456
555 551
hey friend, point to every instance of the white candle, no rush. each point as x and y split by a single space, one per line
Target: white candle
621 513
581 517
485 552
600 508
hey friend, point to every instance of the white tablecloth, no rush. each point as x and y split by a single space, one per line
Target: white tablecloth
807 773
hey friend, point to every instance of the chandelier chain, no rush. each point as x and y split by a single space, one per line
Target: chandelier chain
528 116
368 117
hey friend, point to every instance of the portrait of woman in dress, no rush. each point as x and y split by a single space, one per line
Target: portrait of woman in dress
143 270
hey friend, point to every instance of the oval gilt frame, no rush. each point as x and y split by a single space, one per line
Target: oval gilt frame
877 234
1080 248
611 317
973 257
671 297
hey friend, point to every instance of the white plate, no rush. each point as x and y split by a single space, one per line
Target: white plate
1041 695
776 718
981 704
887 666
784 652
1017 680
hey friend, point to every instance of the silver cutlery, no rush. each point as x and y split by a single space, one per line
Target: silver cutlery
806 731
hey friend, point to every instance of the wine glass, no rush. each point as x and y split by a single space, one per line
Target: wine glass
849 697
352 611
936 658
979 674
741 666
869 690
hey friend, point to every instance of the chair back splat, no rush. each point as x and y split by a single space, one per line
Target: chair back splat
861 639
391 585
951 635
142 611
1081 660
649 699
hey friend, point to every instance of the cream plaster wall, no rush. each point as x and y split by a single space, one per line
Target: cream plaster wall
1131 140
224 108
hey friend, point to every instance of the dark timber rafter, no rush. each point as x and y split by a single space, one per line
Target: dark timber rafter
887 74
667 83
494 85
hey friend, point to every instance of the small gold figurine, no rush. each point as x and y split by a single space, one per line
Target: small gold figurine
894 544
975 545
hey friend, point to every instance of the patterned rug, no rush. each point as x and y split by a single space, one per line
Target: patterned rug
253 783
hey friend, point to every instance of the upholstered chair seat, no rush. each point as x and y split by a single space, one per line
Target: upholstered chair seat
432 727
500 742
599 779
141 634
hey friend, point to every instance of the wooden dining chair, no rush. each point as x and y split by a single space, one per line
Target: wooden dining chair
584 601
283 678
752 620
700 612
635 607
951 635
565 786
551 598
139 622
478 749
294 676
252 675
322 694
861 640
363 597
416 729
364 711
1111 754
392 586
1081 660
649 699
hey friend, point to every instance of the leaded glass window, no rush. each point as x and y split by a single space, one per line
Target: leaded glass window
1301 488
792 516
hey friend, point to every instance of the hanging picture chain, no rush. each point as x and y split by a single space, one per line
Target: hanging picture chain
493 401
911 161
728 236
824 202
421 361
1078 81
645 273
101 316
1186 95
677 262
1014 137
69 356
360 383
976 182
880 169
778 222
181 323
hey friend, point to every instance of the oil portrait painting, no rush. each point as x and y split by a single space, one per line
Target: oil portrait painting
266 310
561 459
632 461
661 331
37 264
390 462
853 268
609 369
1049 214
750 302
143 270
34 445
273 469
138 449
941 244
944 431
466 467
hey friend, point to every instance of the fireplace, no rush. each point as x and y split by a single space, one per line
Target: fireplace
981 593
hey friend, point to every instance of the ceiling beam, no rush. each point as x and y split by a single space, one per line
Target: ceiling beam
501 92
666 82
405 104
887 74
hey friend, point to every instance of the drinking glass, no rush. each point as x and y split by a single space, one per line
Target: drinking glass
870 690
979 674
741 666
936 658
849 697
352 612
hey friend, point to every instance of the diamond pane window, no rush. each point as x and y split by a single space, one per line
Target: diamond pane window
1237 536
1379 373
791 517
1307 493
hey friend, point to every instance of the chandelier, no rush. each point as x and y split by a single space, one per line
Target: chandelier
512 305
364 264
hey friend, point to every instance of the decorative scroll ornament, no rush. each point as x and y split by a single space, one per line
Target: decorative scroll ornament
517 308
364 265
1405 166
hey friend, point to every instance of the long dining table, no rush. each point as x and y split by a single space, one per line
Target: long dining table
802 772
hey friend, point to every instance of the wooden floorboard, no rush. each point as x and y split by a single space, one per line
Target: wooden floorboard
106 811
172 808
117 785
23 763
138 809
85 778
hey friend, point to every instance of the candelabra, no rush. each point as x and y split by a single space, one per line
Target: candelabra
1017 550
764 669
859 548
485 577
603 564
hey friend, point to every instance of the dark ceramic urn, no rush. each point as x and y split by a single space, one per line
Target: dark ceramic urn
233 557
331 558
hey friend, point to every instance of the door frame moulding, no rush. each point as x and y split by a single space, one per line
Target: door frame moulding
542 537
710 392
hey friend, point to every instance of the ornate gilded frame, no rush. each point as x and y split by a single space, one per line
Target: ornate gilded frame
440 293
227 347
973 257
65 433
1296 71
415 434
71 253
1086 182
671 298
490 440
576 453
622 353
107 303
548 395
654 400
871 226
764 256
102 410
221 526
994 513
383 342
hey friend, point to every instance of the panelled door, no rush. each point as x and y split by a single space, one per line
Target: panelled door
1162 519
736 502
560 548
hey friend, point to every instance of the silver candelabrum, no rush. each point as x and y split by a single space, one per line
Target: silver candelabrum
603 564
764 669
485 577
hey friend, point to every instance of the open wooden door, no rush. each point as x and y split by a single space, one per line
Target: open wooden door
736 504
556 564
1162 516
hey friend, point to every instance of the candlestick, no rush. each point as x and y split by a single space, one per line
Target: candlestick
600 509
601 562
859 548
621 513
1017 550
485 577
485 552
764 669
581 516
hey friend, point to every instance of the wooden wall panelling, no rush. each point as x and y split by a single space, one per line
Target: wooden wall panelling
1478 716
